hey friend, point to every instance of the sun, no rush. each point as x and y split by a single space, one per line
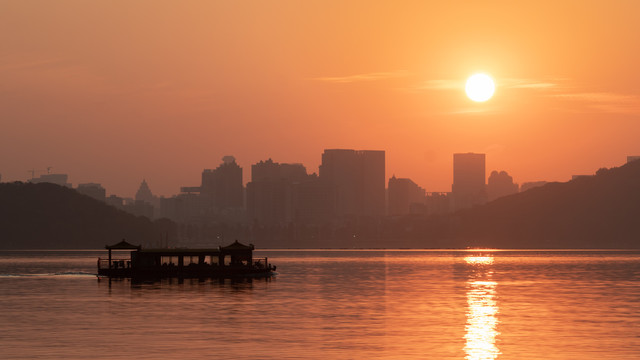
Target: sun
480 87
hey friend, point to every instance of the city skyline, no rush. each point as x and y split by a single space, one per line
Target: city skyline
179 87
246 178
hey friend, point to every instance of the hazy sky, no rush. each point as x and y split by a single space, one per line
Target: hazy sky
117 91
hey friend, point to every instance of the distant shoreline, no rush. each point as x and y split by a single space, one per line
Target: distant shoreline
368 249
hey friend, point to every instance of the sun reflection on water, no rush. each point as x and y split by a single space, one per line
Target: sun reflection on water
482 311
479 260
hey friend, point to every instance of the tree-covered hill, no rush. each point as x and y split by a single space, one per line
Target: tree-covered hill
600 211
48 216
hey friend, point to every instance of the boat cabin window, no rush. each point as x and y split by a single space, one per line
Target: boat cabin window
230 260
188 260
169 260
211 260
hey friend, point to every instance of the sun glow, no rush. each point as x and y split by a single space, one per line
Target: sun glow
480 87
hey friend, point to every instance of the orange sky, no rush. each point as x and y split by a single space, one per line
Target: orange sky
114 91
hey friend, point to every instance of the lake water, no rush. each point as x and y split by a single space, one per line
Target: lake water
331 305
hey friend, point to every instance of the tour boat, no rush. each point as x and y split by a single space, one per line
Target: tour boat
235 260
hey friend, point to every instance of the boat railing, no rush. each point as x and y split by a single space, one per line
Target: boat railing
260 263
115 264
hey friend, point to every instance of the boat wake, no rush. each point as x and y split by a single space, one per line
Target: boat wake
63 273
75 273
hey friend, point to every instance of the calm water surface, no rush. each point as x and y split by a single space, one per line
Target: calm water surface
331 305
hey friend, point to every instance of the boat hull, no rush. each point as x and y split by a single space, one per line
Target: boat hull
185 273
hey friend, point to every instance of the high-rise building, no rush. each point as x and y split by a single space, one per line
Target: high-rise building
141 208
341 170
469 186
58 179
187 208
270 198
403 193
500 184
373 182
145 203
314 202
222 187
144 193
93 190
270 170
438 203
115 201
358 180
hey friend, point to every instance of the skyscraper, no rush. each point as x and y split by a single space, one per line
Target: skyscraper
314 201
469 186
373 182
500 184
270 198
402 194
145 203
93 190
222 187
144 193
358 180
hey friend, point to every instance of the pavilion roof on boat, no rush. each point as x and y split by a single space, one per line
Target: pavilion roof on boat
237 246
238 252
123 245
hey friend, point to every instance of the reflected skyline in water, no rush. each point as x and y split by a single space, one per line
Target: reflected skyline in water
482 310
